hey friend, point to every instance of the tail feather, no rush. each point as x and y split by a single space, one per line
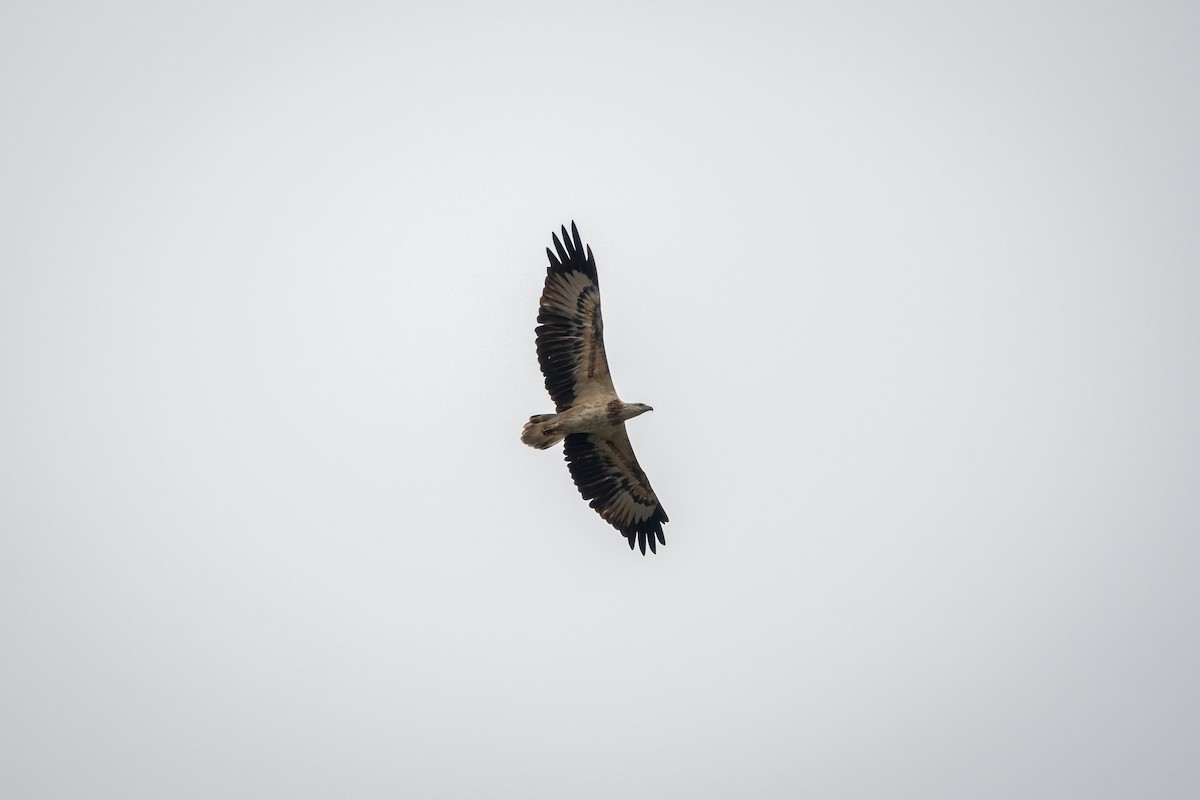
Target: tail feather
540 432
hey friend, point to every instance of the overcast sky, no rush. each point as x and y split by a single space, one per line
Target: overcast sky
914 289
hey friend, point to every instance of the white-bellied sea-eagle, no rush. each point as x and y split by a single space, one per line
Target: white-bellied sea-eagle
591 418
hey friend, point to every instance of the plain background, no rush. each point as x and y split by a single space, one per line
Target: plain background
913 287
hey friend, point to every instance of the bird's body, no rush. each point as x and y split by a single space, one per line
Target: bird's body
601 416
590 416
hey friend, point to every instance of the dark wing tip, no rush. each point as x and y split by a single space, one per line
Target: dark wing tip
570 243
563 255
645 536
647 532
575 236
573 255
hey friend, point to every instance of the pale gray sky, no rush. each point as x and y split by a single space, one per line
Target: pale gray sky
914 289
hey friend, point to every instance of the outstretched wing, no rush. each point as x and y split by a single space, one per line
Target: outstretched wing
607 474
570 336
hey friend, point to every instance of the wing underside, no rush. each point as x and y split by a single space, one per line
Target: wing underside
608 475
570 333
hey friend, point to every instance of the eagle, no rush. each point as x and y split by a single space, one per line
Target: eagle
590 418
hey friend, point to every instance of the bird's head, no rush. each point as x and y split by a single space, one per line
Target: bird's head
637 409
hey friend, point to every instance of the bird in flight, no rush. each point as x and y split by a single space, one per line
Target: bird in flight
590 417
